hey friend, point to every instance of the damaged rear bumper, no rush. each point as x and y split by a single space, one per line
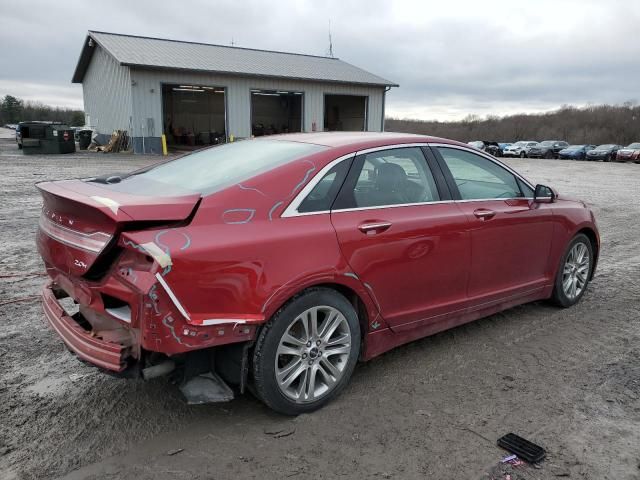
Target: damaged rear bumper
85 344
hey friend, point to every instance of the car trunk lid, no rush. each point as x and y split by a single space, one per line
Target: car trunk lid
81 220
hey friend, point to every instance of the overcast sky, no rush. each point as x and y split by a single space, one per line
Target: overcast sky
451 58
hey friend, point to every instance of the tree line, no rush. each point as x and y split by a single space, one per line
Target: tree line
14 110
597 125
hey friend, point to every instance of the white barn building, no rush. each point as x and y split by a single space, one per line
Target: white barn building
199 94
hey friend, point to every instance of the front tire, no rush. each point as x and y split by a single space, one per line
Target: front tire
306 353
523 155
574 272
548 155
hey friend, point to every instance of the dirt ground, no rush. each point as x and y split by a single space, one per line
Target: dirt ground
568 380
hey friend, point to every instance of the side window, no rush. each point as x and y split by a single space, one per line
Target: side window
478 177
526 190
390 177
325 191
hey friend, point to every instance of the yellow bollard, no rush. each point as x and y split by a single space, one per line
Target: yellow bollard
231 138
164 144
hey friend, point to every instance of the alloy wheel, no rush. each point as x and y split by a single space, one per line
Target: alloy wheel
575 273
313 354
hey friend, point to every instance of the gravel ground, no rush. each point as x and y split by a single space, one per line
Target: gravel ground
566 379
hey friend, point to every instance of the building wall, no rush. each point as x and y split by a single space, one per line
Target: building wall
106 89
147 101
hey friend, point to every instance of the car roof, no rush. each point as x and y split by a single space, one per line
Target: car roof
360 139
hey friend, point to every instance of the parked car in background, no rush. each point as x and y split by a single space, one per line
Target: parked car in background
630 153
606 152
11 126
547 149
200 265
503 147
487 146
519 149
575 152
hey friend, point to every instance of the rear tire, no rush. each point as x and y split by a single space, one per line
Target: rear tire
548 155
574 272
298 370
523 155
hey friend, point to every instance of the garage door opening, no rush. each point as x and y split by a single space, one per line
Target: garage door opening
345 113
194 116
275 112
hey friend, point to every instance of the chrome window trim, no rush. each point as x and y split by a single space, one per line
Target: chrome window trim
356 209
292 208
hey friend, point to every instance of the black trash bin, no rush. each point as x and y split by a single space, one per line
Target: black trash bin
84 139
45 137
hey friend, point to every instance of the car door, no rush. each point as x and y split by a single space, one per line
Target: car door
402 235
559 146
510 233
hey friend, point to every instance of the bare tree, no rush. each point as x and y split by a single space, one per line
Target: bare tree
594 124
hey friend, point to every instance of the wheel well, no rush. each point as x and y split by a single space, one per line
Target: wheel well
591 235
354 299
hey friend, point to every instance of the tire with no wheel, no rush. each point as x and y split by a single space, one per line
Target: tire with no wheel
306 353
574 272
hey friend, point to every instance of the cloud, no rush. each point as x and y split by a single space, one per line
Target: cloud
450 59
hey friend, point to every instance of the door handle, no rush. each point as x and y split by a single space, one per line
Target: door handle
484 214
374 227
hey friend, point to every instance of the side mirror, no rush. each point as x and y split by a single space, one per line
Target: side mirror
544 194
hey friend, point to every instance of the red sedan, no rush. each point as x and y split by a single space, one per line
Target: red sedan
630 153
278 263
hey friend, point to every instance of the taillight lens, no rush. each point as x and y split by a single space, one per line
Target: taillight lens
91 242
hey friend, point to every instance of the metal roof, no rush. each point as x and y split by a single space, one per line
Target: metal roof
159 53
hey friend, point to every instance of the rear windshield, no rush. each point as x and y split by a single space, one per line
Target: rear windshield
214 169
606 146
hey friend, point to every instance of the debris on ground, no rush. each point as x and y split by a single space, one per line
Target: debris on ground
523 448
74 377
175 451
279 432
119 142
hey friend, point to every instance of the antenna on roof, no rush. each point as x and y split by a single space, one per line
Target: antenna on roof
232 42
330 52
